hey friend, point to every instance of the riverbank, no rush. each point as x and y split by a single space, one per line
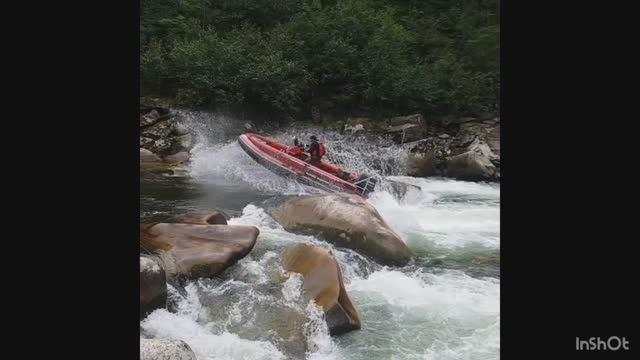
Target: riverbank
460 148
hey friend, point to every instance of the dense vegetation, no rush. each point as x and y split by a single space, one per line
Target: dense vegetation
356 56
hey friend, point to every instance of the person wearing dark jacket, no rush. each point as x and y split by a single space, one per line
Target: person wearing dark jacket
316 150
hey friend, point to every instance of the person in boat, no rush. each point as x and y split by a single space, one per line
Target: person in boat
297 149
316 151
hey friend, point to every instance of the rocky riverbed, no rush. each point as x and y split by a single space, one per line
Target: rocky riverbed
238 263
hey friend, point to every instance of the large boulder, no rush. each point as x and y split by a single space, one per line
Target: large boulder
210 217
484 149
346 220
487 131
323 283
153 286
471 165
421 165
194 251
428 156
165 349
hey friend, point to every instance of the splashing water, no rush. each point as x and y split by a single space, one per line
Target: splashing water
444 306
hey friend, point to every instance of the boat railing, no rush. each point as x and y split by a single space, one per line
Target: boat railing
366 181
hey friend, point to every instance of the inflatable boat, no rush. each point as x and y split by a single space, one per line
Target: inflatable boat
289 160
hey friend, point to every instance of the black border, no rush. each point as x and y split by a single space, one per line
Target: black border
567 268
73 100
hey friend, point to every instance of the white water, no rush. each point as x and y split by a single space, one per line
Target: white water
430 310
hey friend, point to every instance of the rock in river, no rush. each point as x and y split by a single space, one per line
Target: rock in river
194 251
346 220
323 283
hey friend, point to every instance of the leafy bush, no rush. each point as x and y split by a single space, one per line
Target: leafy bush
436 56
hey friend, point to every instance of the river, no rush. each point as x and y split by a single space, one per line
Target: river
443 305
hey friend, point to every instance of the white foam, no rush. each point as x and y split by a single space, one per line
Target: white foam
320 345
148 265
441 312
206 345
228 160
292 288
482 344
447 213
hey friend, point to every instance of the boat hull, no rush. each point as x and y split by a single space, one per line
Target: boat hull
275 157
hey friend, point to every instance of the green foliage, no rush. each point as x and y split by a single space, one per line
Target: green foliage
436 56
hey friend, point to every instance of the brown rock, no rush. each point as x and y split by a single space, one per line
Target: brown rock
346 220
472 166
196 251
323 283
421 165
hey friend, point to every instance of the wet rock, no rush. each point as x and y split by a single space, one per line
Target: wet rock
346 220
323 283
165 349
149 118
180 157
153 286
482 148
193 251
211 217
472 166
473 153
421 165
148 156
488 132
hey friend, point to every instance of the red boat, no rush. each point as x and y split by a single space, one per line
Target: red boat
287 160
